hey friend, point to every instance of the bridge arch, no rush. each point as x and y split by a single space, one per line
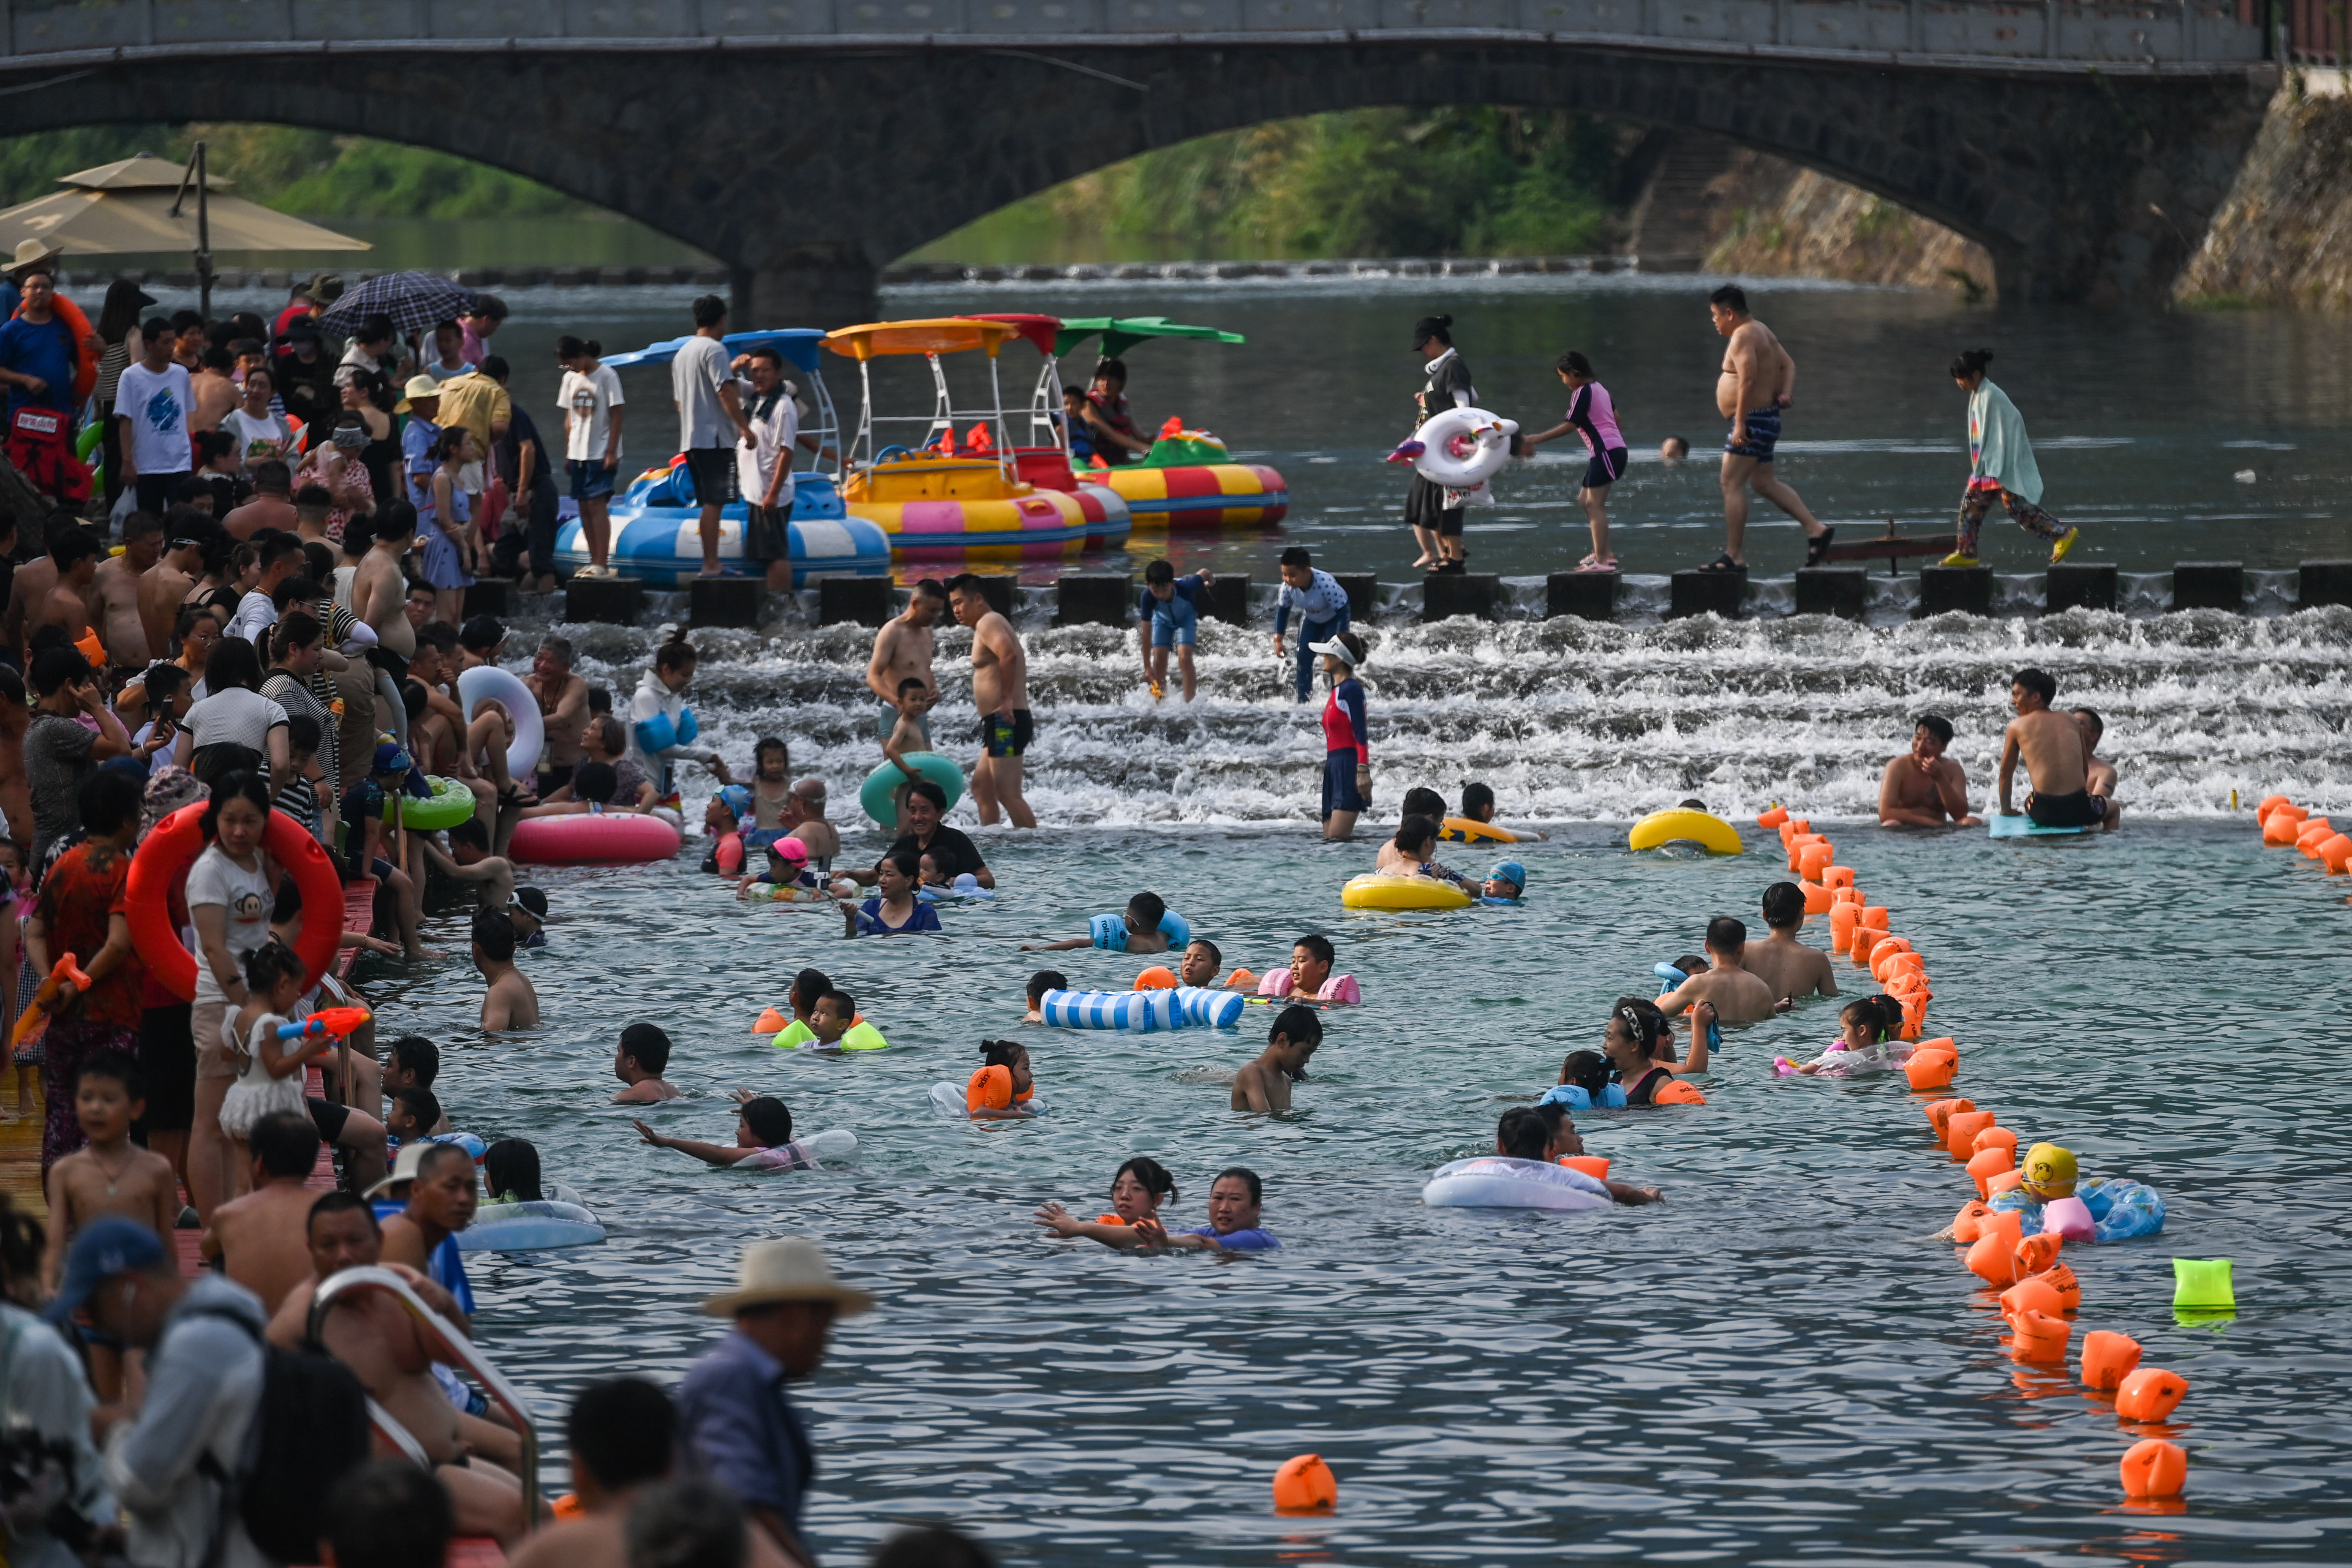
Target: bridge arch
806 163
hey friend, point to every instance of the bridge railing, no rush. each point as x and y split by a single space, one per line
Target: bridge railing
2156 33
2316 31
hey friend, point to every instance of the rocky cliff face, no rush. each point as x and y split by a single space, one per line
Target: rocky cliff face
2283 234
1724 209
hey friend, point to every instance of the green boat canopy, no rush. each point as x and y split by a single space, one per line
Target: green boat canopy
1120 333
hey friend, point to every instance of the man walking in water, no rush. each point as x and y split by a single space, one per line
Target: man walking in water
1000 690
1758 379
2054 756
902 652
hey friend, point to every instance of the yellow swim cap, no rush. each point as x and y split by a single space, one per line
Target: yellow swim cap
2049 1172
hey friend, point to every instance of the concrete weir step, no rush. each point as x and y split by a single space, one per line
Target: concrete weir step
1697 592
857 601
618 601
2079 584
1587 596
1445 595
2208 585
1832 591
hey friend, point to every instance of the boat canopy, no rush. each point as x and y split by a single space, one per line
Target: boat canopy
797 344
1120 333
944 335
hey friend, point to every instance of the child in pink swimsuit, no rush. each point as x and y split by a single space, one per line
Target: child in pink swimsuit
1592 416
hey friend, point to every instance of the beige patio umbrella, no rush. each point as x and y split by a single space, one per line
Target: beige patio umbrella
143 203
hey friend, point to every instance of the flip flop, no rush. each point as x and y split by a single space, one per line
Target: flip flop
1819 546
1723 562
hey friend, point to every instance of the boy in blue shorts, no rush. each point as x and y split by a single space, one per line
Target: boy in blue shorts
1170 616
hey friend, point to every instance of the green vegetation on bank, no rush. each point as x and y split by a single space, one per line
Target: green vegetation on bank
308 173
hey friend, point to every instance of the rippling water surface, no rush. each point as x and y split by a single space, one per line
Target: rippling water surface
1774 1365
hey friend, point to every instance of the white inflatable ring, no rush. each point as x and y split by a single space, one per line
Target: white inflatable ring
1462 448
488 680
1494 1181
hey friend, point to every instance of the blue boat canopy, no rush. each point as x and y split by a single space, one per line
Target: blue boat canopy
798 344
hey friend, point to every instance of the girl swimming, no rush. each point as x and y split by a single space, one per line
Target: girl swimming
1584 1084
1141 1186
1865 1042
1004 1082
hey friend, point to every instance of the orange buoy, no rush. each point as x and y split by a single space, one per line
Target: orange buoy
2036 1253
1969 1224
1842 917
1799 827
1960 1130
1931 1069
1996 1186
2154 1469
2335 854
2035 1292
770 1022
1817 898
1836 877
2038 1336
2108 1358
1874 916
2061 1278
1993 1258
1677 1091
1593 1166
1812 857
1993 1135
1774 818
1864 938
2279 828
2268 801
2150 1393
568 1506
1847 894
1159 977
1986 1164
1938 1113
1241 980
2292 812
1305 1484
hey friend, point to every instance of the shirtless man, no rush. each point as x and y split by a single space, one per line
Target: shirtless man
509 1003
562 711
261 1236
163 587
379 589
374 1335
806 810
1922 787
1738 996
1758 380
272 505
2100 777
902 652
1000 690
1790 967
74 555
115 587
1265 1083
2055 758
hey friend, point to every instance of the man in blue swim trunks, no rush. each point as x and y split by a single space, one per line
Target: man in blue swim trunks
1758 380
1168 617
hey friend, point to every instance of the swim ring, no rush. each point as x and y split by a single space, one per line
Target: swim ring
2120 1209
529 1226
593 838
1712 834
784 893
1498 1181
965 888
167 852
657 531
1459 448
488 681
947 1100
874 795
449 804
1142 1011
1464 830
1373 891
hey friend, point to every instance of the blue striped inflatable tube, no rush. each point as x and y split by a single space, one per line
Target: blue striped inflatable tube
1207 1009
1141 1011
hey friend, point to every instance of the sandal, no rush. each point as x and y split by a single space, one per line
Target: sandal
512 796
1722 563
1598 563
1818 546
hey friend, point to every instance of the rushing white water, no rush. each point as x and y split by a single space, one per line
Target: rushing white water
1569 719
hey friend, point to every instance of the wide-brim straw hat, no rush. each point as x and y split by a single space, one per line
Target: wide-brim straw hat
793 1269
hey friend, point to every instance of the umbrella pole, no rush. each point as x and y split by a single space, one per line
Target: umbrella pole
203 241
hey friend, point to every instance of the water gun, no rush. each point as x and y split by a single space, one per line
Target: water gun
338 1022
1407 451
65 969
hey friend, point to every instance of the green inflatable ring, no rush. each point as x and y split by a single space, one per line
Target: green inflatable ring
449 804
87 442
875 794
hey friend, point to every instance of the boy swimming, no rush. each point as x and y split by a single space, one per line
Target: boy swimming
1044 980
1263 1084
1201 962
1147 926
639 1061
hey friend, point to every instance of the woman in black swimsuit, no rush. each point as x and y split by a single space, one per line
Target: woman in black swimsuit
1640 1044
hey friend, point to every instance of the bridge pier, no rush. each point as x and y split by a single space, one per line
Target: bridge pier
829 285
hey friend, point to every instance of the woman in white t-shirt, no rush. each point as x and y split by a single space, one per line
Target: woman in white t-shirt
262 436
235 729
231 891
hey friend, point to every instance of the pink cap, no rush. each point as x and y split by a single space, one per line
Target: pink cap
791 849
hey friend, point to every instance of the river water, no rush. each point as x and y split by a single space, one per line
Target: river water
1775 1366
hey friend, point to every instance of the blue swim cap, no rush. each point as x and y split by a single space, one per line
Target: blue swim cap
1510 872
738 799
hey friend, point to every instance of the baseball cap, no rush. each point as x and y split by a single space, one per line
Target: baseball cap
105 1248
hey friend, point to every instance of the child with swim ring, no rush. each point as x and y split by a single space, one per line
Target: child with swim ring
1584 1084
1865 1043
1003 1084
2115 1208
1137 1191
1147 926
836 1027
1202 961
1044 980
764 1139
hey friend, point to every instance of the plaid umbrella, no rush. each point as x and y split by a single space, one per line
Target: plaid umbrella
415 302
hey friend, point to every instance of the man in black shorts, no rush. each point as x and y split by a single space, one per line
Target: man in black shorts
709 418
2051 745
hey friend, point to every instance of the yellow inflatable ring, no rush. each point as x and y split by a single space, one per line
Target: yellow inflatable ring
1374 891
1712 834
1462 830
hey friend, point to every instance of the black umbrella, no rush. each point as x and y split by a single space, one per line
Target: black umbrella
414 300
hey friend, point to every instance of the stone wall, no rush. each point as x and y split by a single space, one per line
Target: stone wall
2282 236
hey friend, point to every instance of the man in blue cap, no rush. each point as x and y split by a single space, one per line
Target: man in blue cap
204 1367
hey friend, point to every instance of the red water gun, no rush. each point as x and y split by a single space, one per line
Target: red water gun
65 969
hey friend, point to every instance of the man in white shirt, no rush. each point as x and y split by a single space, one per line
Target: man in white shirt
593 411
710 419
151 402
764 462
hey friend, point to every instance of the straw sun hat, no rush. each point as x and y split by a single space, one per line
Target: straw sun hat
793 1269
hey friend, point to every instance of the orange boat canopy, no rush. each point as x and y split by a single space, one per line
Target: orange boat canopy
945 336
